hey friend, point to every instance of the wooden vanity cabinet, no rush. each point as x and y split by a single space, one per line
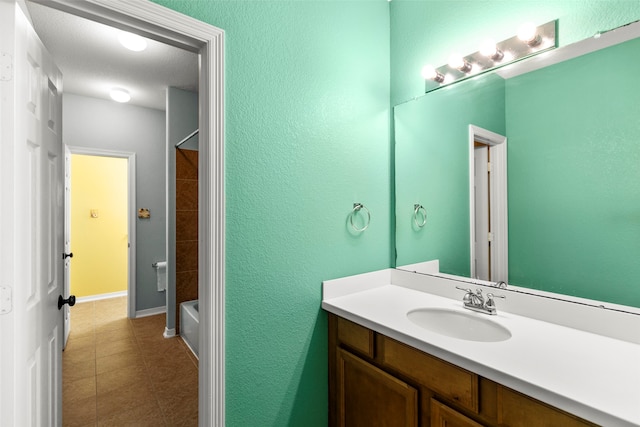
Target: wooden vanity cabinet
368 396
377 381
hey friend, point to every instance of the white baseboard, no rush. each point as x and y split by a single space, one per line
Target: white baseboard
102 296
189 346
169 333
151 311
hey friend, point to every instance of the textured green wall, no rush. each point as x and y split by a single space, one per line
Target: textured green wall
574 176
428 31
432 169
307 135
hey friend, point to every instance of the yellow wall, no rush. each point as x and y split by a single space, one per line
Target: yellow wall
99 245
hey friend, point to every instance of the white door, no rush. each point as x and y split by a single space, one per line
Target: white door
481 187
31 224
67 242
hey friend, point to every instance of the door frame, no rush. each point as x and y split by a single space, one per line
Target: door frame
131 214
168 26
498 188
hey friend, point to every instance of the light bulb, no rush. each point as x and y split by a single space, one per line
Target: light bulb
430 73
120 95
528 34
132 41
489 49
457 61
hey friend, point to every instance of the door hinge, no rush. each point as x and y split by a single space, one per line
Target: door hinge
5 300
490 237
489 167
6 67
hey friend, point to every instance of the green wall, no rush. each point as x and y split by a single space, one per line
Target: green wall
432 169
574 173
307 135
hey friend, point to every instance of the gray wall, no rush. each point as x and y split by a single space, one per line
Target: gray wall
182 119
107 125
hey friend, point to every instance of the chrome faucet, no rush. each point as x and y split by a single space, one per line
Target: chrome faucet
476 301
501 284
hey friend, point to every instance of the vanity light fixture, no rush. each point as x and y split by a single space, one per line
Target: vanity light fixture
528 33
459 63
430 73
132 41
120 95
489 49
529 41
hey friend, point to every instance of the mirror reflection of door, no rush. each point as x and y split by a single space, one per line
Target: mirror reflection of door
488 205
482 194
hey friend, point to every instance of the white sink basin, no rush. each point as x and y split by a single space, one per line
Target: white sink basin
465 326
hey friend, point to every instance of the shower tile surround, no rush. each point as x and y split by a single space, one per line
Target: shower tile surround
118 370
186 228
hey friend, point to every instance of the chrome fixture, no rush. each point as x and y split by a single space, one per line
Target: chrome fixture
501 284
357 207
476 301
531 40
419 210
188 137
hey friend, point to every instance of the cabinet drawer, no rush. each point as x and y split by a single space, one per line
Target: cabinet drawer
355 336
443 416
445 379
517 410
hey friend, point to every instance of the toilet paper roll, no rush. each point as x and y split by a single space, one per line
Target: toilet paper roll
161 275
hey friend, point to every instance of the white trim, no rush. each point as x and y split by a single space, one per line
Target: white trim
131 217
498 187
99 297
168 26
169 333
189 346
151 311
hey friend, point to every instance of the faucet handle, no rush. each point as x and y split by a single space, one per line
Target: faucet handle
468 295
490 303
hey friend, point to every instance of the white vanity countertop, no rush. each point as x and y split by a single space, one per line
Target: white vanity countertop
590 375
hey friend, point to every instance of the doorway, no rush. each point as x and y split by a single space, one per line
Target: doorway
165 25
102 225
488 205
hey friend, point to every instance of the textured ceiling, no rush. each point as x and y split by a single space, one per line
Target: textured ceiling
93 61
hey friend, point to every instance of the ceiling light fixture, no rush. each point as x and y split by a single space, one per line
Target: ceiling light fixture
120 95
529 41
132 41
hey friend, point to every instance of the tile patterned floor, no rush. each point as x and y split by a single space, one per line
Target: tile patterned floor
123 372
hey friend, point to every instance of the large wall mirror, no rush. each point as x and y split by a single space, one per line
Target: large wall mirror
564 216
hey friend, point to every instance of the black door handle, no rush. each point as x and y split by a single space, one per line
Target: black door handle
71 301
69 255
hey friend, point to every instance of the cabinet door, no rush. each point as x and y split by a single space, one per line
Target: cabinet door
443 416
369 397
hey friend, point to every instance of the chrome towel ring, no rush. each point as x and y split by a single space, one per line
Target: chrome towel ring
356 208
419 210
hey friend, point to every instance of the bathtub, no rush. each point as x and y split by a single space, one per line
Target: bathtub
190 324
